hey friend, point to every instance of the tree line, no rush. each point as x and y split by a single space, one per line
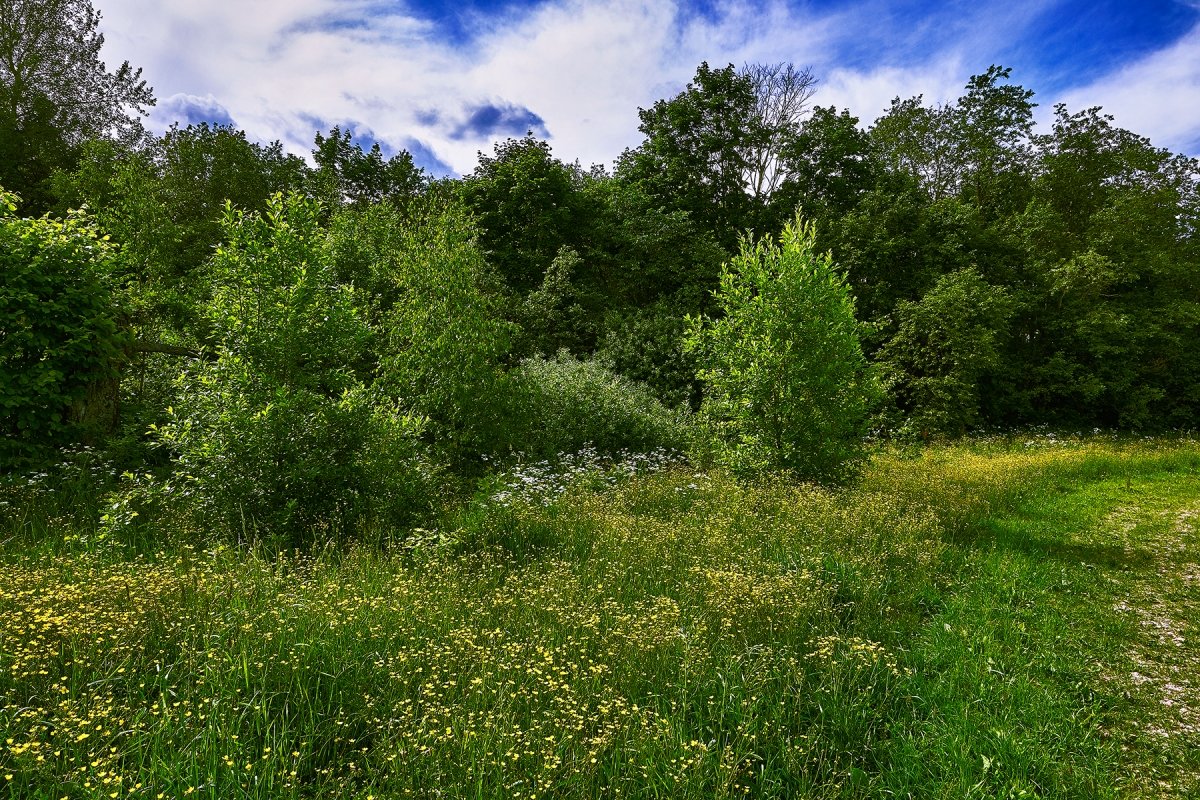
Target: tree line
969 272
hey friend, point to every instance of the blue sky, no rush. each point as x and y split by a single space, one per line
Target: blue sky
445 80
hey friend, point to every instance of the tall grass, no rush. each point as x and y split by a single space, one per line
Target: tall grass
675 634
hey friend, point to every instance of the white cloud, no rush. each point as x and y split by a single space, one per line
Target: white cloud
1157 96
869 94
583 66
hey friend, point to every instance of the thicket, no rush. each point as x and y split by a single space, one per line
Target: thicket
62 339
319 346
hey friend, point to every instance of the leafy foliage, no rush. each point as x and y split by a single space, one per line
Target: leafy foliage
647 345
977 147
163 202
786 383
442 337
944 346
569 404
347 174
552 315
61 344
1001 278
696 153
278 434
525 200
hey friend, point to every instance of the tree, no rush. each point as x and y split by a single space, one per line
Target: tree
551 316
639 252
56 93
347 174
896 244
718 149
163 202
977 148
1106 330
60 345
945 345
917 140
781 95
696 155
995 123
280 431
646 344
527 204
830 163
438 314
1086 160
786 385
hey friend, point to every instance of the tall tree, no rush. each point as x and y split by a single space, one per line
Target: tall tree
527 204
781 95
718 149
695 156
918 140
56 93
977 148
831 164
995 135
1108 326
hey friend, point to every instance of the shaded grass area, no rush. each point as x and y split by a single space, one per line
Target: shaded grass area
950 627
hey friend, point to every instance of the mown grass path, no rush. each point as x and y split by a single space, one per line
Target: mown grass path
1067 660
1153 581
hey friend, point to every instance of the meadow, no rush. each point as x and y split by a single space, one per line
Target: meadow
1014 617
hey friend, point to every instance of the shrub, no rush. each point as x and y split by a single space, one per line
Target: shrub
944 345
647 345
786 383
442 336
277 435
61 345
570 403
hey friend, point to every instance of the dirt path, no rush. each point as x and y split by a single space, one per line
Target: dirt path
1157 716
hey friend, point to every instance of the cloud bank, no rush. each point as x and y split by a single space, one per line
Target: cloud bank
576 71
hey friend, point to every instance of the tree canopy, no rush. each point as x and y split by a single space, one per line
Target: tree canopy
56 93
987 273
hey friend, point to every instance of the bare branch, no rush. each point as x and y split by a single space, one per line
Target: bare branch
781 94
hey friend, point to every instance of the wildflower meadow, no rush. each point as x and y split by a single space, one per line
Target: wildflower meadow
998 619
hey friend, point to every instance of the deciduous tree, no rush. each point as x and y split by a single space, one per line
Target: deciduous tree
786 385
56 92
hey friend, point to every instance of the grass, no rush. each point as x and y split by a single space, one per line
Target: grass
997 619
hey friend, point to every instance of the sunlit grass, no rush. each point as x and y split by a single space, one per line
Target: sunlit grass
676 634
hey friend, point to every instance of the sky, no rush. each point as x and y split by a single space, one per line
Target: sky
446 79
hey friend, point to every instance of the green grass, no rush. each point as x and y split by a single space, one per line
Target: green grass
992 620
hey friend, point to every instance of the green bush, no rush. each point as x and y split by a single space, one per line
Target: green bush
442 338
647 345
60 344
276 436
570 403
943 347
786 383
